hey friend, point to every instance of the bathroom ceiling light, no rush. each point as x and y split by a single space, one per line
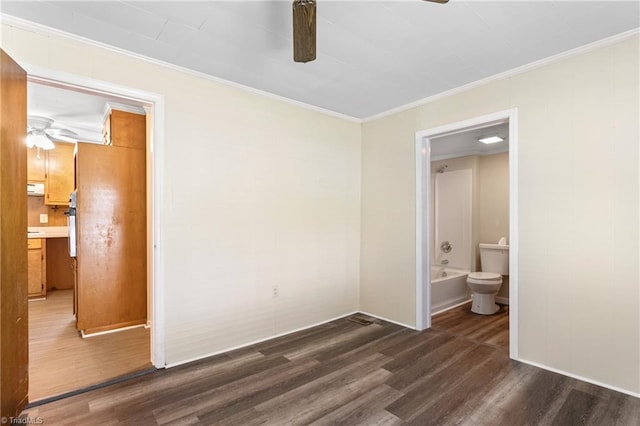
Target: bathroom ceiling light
490 139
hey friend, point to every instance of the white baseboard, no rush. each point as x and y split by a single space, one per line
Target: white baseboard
254 342
412 327
577 377
502 300
115 330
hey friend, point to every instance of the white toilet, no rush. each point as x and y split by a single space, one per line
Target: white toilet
485 285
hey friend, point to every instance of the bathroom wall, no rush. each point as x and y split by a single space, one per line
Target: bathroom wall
493 197
453 218
454 164
490 201
493 206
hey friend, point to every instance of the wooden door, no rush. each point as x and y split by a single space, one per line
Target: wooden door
111 220
14 343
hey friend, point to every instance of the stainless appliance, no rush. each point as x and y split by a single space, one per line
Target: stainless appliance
71 223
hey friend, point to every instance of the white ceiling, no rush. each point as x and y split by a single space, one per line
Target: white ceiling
82 113
466 142
373 56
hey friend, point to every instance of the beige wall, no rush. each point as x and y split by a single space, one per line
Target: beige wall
578 210
493 197
257 193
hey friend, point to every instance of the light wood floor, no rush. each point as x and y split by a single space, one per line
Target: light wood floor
343 373
61 361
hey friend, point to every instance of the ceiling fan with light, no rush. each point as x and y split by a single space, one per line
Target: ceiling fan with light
304 29
42 133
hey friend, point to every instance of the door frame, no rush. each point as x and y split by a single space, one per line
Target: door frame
423 215
155 150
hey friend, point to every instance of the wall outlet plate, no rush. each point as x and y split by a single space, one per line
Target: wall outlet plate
44 218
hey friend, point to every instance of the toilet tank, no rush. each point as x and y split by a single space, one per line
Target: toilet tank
494 258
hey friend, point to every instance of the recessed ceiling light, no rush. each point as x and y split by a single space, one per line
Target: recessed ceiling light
491 139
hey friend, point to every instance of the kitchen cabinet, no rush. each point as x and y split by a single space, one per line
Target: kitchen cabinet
37 267
35 164
125 129
59 174
59 268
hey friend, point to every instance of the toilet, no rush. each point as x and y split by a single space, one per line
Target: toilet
485 285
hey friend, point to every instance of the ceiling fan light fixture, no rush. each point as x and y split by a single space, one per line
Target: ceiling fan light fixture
39 139
304 30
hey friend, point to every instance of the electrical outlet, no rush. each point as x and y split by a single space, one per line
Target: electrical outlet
44 218
275 292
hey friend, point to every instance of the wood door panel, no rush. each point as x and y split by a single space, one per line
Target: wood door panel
34 257
14 343
111 230
126 129
59 178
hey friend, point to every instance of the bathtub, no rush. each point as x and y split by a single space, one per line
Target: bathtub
448 289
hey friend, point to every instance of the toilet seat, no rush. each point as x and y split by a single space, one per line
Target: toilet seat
484 278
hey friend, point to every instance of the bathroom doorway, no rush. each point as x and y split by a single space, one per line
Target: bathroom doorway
465 193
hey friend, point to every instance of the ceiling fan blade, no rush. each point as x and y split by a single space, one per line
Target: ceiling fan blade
304 30
38 122
438 1
61 135
61 131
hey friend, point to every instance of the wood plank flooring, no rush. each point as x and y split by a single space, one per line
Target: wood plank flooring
61 361
343 373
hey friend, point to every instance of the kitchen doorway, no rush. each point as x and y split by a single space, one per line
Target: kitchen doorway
424 217
116 353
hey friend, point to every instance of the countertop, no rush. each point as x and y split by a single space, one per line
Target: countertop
47 232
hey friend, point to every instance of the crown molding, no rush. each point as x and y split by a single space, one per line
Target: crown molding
24 24
48 31
511 73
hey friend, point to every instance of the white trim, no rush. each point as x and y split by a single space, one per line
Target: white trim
423 232
118 106
578 377
255 342
514 239
49 31
423 193
511 73
156 150
401 324
115 330
451 307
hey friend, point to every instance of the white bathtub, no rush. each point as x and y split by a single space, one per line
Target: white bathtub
448 288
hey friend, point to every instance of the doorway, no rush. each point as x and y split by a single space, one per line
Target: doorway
424 217
153 105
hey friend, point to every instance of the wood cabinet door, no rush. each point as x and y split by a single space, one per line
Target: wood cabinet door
59 177
127 130
14 350
35 165
34 260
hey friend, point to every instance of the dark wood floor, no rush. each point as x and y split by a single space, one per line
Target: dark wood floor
343 373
